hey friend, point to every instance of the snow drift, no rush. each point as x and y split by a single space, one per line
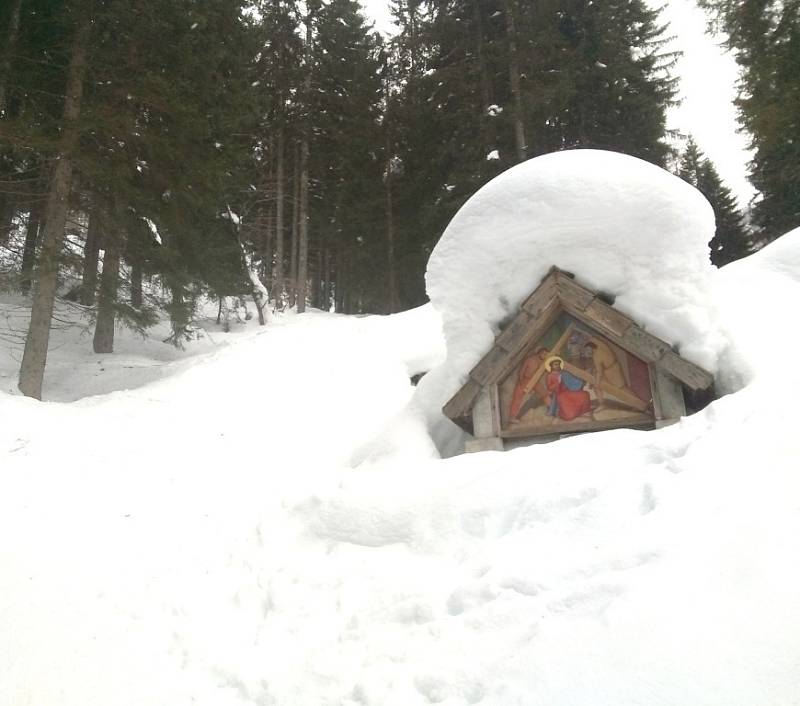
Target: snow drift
202 540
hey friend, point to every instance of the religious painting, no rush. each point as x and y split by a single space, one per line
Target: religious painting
574 379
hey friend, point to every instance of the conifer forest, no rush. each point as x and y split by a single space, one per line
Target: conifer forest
155 152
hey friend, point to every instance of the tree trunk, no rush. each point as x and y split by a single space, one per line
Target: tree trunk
317 278
343 284
341 279
34 358
302 241
91 253
109 283
295 227
224 314
302 231
327 289
277 279
263 222
8 53
177 313
393 298
514 79
29 251
487 121
260 292
7 211
266 240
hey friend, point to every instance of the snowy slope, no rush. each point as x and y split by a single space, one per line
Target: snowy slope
122 512
266 523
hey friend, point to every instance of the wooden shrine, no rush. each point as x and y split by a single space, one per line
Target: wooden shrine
568 363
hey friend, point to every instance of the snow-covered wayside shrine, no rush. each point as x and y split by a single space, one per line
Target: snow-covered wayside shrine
278 516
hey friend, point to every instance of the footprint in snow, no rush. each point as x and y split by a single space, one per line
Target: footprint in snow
432 688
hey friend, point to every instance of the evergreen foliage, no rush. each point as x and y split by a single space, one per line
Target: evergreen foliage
226 140
477 77
765 37
731 239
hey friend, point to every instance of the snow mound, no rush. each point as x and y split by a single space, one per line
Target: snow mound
781 257
622 226
756 297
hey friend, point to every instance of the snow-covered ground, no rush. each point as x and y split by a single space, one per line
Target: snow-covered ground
264 519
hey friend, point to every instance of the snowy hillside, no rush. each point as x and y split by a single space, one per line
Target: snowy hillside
264 519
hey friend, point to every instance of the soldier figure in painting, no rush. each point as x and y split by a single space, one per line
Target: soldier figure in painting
599 360
521 398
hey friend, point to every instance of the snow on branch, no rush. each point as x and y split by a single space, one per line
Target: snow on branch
260 292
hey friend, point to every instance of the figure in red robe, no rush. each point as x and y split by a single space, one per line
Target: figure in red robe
566 397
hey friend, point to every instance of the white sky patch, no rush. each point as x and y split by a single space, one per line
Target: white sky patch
708 77
378 11
493 155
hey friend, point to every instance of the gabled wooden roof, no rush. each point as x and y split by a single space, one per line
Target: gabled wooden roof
557 292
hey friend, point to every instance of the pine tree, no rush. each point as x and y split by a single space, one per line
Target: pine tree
731 240
34 357
765 37
495 81
267 187
156 135
347 146
614 84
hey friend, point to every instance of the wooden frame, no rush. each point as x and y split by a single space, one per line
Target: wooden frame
476 406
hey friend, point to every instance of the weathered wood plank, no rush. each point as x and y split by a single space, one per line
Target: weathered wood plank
572 294
607 318
492 443
644 345
516 332
482 418
494 398
542 296
459 405
688 373
490 364
667 396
